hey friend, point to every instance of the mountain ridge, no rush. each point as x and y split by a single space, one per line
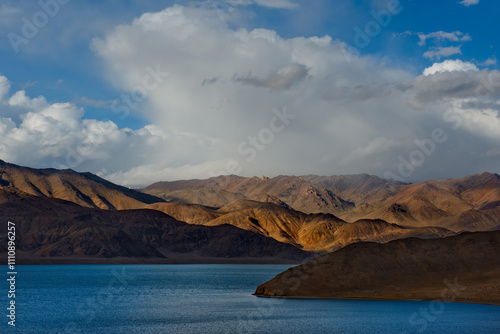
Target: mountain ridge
85 189
267 206
444 203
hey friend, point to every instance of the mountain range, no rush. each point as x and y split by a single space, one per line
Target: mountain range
467 204
309 213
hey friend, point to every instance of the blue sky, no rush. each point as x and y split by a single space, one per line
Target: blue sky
91 53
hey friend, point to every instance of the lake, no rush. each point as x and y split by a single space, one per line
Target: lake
211 299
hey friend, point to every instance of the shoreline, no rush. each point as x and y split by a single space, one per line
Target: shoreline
461 301
184 260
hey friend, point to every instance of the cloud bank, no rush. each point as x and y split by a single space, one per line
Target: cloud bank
224 105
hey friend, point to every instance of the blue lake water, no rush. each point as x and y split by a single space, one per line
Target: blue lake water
211 299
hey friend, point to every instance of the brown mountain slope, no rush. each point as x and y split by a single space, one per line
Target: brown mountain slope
294 191
370 230
468 203
359 189
188 213
56 231
464 267
270 218
84 189
313 232
205 196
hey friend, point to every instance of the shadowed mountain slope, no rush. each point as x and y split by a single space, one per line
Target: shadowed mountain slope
56 231
459 268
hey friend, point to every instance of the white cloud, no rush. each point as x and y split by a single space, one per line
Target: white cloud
440 36
440 42
219 91
490 61
350 115
440 52
468 3
4 87
57 135
20 99
450 66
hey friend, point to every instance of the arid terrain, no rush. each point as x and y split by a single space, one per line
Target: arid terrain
467 204
379 238
462 268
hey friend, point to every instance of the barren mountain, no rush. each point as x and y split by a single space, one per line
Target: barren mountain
470 204
313 232
459 268
293 191
376 210
85 189
56 231
359 189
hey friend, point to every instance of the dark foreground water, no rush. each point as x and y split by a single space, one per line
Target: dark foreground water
210 299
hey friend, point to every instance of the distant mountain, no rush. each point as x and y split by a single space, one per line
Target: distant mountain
460 268
358 189
312 232
469 204
85 189
293 191
466 204
55 231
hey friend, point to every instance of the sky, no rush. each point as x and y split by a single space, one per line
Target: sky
144 91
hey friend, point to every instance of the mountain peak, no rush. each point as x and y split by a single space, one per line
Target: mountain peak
85 189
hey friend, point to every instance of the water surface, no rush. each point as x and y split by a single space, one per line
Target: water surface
212 299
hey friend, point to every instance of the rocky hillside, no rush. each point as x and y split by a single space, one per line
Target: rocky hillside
467 204
85 189
313 232
293 191
459 268
55 231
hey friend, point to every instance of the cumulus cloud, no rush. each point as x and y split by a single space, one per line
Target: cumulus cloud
450 66
348 112
252 102
57 135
